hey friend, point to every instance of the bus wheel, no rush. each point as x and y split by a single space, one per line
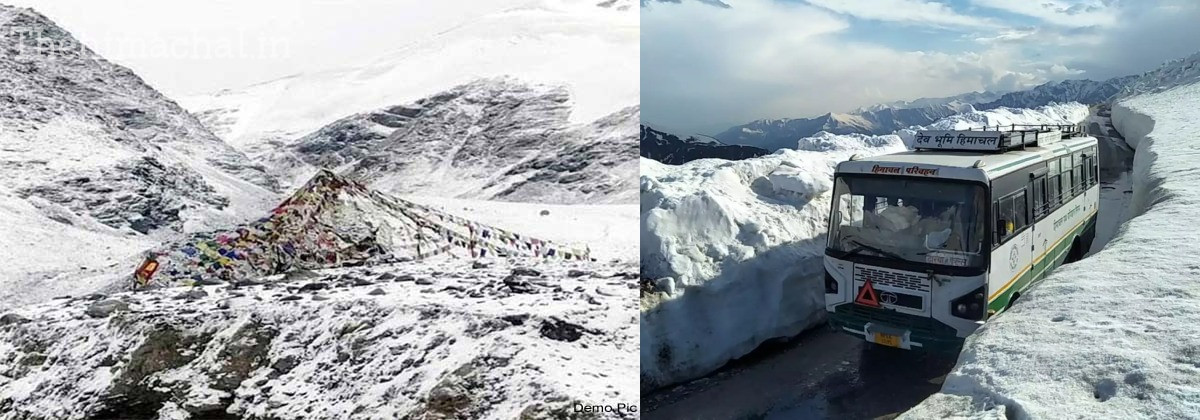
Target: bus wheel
1076 252
1011 301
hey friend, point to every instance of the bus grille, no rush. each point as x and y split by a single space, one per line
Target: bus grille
897 279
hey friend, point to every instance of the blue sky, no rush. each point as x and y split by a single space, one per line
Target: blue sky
706 68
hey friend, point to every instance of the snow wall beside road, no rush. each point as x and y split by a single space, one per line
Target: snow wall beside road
1116 335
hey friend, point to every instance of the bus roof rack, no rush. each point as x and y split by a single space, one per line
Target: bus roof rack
996 138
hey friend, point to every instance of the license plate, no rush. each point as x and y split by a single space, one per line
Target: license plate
887 339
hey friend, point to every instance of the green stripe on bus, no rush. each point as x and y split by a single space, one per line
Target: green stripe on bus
1040 269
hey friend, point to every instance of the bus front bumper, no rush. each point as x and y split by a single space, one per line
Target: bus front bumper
881 326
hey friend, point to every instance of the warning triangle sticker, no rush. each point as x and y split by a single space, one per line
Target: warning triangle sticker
867 295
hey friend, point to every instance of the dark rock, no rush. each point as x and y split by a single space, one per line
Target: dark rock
192 294
362 282
319 298
406 277
290 298
285 364
312 287
516 319
528 272
424 281
479 264
105 308
557 329
578 273
518 285
544 212
12 319
386 276
377 292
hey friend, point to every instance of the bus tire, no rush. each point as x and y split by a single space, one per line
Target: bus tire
1011 301
1076 251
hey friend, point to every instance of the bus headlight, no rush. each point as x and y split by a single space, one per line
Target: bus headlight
831 285
971 305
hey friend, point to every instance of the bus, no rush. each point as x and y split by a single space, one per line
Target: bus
924 246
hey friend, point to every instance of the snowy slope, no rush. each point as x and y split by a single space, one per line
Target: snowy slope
670 149
774 134
488 139
1083 91
95 160
589 46
1133 350
442 339
611 228
731 250
1182 71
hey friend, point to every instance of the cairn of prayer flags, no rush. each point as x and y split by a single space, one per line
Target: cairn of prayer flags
334 222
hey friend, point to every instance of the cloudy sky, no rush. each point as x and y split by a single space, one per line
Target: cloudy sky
198 46
706 67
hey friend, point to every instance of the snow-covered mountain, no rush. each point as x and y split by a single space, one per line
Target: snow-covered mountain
489 139
966 98
588 46
774 134
670 149
1084 91
1178 72
93 158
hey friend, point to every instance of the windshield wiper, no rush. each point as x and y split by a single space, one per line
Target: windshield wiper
862 246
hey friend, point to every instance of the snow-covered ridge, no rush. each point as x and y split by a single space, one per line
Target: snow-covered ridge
670 149
732 250
448 339
1132 351
97 164
489 139
591 47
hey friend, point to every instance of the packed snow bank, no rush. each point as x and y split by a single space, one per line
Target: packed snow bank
734 248
1116 335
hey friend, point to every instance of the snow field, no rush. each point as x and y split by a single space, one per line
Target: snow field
1114 335
734 249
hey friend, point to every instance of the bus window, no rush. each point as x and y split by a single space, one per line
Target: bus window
1011 210
1053 190
1068 184
1039 197
1019 210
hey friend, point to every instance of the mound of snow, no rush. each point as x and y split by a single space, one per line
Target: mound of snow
734 248
1114 335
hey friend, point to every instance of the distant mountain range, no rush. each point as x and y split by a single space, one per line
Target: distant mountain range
774 134
670 149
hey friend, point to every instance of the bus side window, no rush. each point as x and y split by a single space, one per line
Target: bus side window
1052 193
1011 210
1039 197
1068 183
1020 207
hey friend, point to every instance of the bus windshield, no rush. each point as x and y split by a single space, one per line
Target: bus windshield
925 221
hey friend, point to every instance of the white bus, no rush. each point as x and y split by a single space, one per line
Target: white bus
926 245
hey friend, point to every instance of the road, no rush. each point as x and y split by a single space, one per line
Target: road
819 375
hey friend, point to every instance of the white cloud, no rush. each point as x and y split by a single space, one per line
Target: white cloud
705 69
1066 13
905 11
